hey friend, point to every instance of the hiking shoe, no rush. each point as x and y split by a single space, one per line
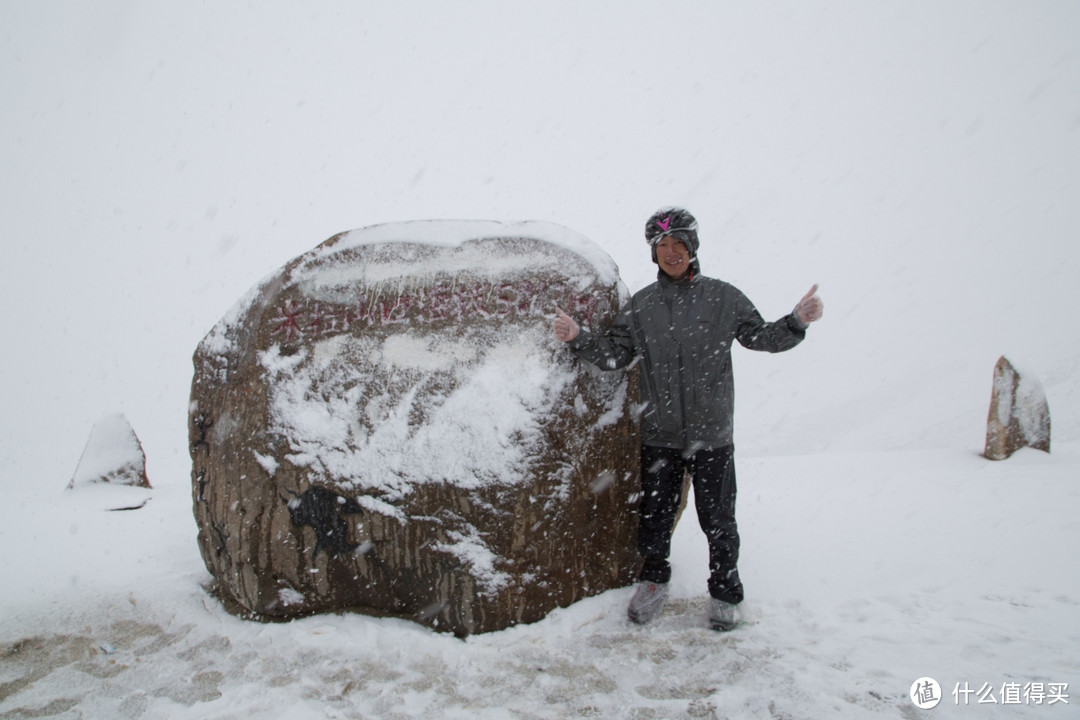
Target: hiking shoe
647 602
723 616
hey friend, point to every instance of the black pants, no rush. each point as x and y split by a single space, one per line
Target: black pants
713 474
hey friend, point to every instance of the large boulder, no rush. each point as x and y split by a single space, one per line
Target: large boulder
388 425
1019 415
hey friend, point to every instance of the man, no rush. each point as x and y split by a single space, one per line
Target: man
682 327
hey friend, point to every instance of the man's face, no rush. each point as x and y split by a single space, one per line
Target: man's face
672 256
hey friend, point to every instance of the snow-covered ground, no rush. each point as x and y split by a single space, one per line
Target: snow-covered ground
864 571
920 161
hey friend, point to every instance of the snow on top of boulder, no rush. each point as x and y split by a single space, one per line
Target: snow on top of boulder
456 233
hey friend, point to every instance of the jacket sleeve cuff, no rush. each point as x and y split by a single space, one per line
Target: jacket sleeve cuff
795 323
579 341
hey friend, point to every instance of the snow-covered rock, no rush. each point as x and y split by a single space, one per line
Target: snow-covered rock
113 454
1019 414
387 423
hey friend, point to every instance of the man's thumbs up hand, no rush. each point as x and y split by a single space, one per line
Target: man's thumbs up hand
810 308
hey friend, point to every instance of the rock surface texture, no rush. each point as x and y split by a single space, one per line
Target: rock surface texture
1019 415
386 425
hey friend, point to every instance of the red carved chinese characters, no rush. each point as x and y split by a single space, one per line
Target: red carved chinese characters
430 304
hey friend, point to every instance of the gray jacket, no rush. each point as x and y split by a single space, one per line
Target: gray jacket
683 333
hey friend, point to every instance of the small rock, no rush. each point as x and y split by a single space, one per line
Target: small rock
1019 415
113 454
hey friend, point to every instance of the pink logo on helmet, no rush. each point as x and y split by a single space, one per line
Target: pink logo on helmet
665 223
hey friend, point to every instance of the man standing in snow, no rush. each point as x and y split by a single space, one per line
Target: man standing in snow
683 327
